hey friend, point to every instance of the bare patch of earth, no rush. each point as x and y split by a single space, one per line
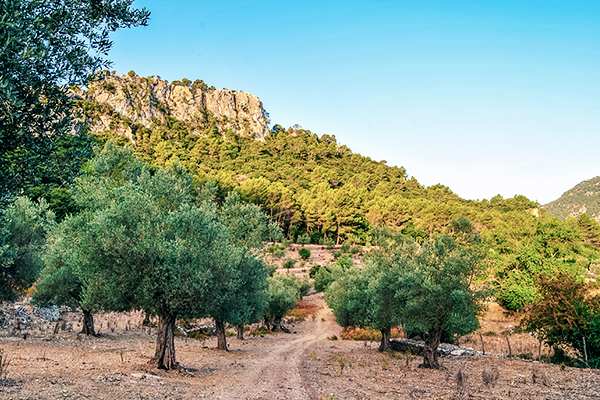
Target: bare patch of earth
301 365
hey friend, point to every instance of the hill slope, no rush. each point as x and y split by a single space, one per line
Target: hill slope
319 189
308 184
584 198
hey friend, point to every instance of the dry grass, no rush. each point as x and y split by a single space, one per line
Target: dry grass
366 333
498 330
461 384
490 375
4 363
302 311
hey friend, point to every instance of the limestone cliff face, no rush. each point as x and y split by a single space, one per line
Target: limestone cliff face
142 99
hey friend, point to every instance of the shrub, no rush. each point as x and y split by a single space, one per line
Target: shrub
345 261
356 249
272 268
366 333
304 253
279 253
303 310
303 239
329 243
132 73
314 270
289 263
304 287
567 315
345 247
316 237
325 276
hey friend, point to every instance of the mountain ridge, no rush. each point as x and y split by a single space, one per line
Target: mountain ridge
583 198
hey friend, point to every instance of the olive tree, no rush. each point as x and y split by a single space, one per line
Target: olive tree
241 295
23 229
48 46
434 293
364 297
284 293
425 289
153 241
59 283
150 248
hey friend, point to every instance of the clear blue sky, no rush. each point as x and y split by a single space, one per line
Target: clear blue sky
486 97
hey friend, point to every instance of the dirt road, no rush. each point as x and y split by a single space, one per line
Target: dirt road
279 372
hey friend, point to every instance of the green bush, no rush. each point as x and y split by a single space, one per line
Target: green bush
279 253
345 247
271 268
357 249
303 239
304 253
329 243
345 261
289 263
313 271
304 287
324 276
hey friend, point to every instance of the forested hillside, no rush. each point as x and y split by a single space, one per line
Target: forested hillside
307 183
316 187
584 198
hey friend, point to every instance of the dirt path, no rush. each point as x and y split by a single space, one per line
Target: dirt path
277 372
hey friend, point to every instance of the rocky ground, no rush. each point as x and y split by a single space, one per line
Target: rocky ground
304 364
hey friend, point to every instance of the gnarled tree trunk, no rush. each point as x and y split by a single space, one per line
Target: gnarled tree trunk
164 356
240 331
88 323
430 354
385 339
221 337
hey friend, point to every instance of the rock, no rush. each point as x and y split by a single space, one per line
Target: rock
142 99
9 315
144 376
48 314
417 346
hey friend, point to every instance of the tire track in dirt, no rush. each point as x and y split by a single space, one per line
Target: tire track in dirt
277 371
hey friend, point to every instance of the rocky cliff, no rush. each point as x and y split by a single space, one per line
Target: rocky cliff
141 100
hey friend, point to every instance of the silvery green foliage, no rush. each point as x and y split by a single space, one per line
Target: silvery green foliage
23 227
47 46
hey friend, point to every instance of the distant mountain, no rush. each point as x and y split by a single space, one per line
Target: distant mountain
582 199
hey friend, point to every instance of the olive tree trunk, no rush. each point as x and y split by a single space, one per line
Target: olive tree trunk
240 331
430 354
221 337
164 356
385 339
88 323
